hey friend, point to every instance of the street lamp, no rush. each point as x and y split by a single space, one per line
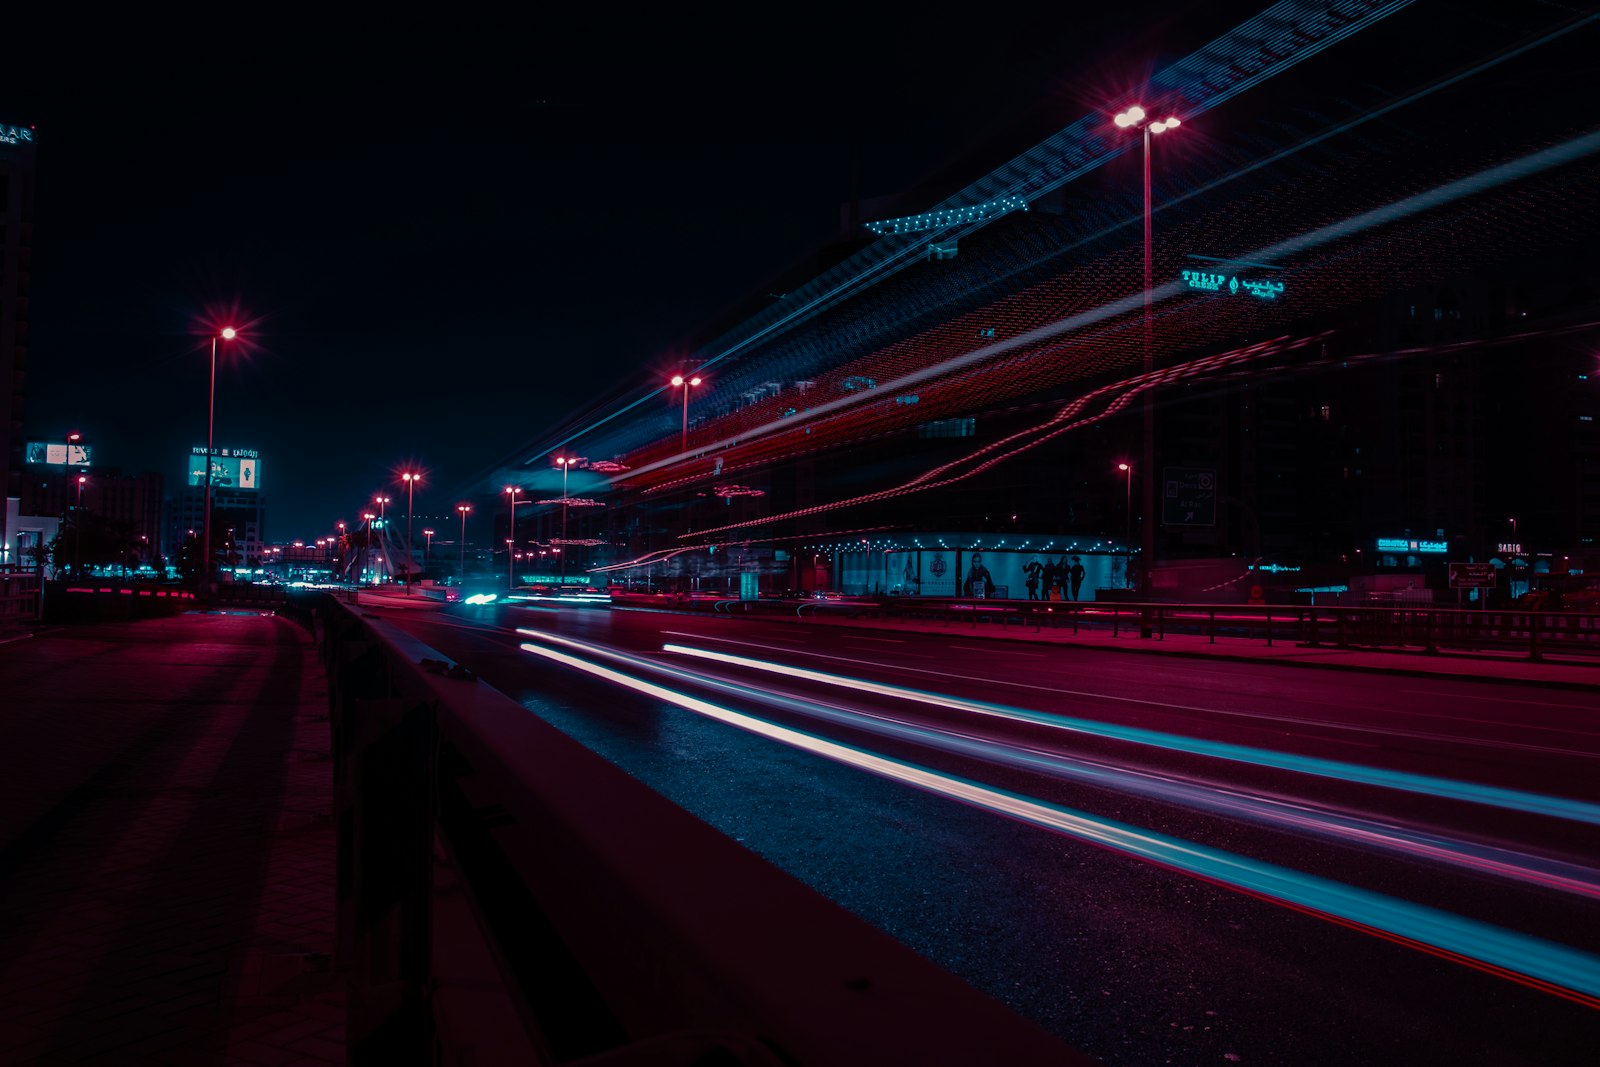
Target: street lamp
228 334
382 502
366 564
566 465
1127 535
463 508
687 384
411 480
1135 117
427 548
77 531
511 570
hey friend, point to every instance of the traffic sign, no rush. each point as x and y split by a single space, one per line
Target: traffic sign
1472 576
1189 496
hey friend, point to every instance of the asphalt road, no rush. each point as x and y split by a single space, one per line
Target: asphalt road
1160 860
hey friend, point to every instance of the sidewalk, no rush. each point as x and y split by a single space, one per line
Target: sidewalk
1561 673
166 846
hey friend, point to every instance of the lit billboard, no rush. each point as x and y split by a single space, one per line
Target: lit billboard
231 468
56 454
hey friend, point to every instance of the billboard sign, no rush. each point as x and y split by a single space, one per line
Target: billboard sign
1411 544
57 454
231 468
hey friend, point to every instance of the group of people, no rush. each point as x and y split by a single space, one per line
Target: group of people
1043 579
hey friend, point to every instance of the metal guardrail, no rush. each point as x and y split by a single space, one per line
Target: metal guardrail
1533 634
507 896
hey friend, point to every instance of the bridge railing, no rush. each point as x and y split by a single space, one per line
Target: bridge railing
506 895
1533 634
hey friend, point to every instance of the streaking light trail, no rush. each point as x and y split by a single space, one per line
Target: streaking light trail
1284 814
1543 965
1495 796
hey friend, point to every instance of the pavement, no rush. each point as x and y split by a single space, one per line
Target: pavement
166 845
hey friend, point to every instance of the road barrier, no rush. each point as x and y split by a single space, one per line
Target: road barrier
1532 634
507 896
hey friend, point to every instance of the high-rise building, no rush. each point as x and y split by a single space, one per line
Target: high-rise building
16 242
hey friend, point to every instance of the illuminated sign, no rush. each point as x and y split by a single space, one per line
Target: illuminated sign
1211 282
1402 544
16 134
56 454
1511 548
231 468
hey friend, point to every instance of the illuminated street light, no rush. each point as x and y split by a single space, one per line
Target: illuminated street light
228 334
511 570
367 563
427 548
1127 535
411 479
566 465
686 384
1134 117
77 529
463 508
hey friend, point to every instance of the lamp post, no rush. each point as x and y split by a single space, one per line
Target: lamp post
566 465
1136 117
427 549
1127 526
366 564
383 520
463 508
228 334
686 384
77 530
411 479
511 570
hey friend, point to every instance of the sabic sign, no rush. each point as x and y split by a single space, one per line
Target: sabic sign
1211 282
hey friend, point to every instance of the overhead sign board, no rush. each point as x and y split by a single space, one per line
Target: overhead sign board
1189 496
1472 576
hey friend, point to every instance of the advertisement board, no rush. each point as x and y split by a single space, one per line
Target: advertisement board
56 454
236 468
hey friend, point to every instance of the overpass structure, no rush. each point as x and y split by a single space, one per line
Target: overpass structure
1316 196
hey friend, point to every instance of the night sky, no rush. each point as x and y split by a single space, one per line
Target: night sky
445 239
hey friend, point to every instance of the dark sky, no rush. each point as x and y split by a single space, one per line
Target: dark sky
444 237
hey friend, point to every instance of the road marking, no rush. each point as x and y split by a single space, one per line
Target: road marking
1502 700
1002 651
1404 781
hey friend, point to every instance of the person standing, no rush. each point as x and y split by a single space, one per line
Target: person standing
1034 570
978 579
1076 574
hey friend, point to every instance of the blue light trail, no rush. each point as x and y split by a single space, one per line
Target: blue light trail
1540 964
1473 792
